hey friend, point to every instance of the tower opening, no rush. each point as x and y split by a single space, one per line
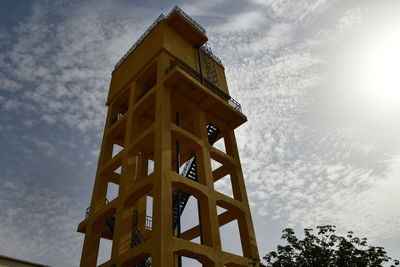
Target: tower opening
104 251
112 191
230 238
224 186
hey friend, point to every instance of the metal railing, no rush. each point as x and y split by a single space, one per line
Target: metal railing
119 116
149 223
89 208
137 236
185 67
144 35
152 26
206 48
189 18
177 62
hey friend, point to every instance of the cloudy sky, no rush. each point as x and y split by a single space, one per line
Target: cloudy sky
319 81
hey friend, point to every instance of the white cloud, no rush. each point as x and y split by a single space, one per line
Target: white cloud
298 171
202 8
12 105
41 221
48 119
47 147
8 85
64 69
292 9
251 20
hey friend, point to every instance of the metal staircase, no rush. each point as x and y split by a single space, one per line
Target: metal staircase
190 171
179 202
111 223
181 198
212 133
137 239
211 71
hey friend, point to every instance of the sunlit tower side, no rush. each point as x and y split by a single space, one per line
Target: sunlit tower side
168 104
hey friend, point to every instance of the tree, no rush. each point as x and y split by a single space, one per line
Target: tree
325 249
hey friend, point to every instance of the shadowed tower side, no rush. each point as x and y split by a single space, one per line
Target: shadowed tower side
168 140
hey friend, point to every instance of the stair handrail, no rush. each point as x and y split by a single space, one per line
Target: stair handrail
212 133
177 203
138 236
211 138
188 164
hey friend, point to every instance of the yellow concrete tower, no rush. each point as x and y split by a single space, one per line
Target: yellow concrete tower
168 105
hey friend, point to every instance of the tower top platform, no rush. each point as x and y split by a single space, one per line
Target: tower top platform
182 23
177 35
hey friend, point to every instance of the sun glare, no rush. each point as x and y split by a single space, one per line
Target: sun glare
366 70
379 67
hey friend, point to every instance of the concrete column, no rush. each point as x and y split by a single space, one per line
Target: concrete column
245 222
162 201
